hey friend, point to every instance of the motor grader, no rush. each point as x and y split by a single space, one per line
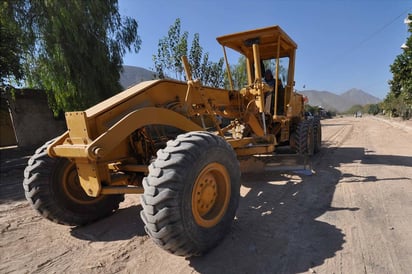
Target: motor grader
177 144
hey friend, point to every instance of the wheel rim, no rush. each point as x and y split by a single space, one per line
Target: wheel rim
211 195
72 188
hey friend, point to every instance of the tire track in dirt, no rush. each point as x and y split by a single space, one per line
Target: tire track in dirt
351 216
337 138
365 177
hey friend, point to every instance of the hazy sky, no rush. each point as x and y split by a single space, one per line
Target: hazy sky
342 44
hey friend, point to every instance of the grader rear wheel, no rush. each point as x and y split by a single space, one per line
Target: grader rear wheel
317 132
191 193
52 188
310 150
304 138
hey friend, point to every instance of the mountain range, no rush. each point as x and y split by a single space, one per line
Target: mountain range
328 100
340 103
133 75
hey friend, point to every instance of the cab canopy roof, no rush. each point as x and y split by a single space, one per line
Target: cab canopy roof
267 39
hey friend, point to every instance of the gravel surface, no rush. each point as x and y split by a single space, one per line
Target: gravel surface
352 215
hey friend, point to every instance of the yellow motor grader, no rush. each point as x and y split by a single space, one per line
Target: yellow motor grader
177 144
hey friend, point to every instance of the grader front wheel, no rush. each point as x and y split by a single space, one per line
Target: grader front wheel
211 195
52 187
191 193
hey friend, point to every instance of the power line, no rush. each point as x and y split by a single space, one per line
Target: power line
380 30
359 44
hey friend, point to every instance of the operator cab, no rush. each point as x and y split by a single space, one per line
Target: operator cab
266 50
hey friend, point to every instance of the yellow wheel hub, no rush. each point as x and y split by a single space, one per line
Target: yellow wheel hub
72 188
211 195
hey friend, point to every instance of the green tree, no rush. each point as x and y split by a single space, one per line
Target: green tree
195 57
239 74
373 109
399 99
212 73
312 109
10 45
354 109
74 49
271 64
171 48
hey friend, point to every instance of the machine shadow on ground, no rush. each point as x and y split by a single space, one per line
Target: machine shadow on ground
277 220
274 220
278 223
123 225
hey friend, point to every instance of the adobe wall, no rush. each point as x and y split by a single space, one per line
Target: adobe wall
33 120
7 136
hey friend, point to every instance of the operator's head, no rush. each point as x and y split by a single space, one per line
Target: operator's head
268 74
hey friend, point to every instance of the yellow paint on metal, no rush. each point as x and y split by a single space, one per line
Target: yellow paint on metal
91 175
211 195
109 190
73 187
256 149
78 126
268 38
104 139
134 120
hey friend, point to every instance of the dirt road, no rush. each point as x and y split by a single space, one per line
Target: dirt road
353 215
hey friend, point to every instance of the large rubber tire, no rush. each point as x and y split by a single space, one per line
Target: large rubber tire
317 132
52 187
191 193
304 138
